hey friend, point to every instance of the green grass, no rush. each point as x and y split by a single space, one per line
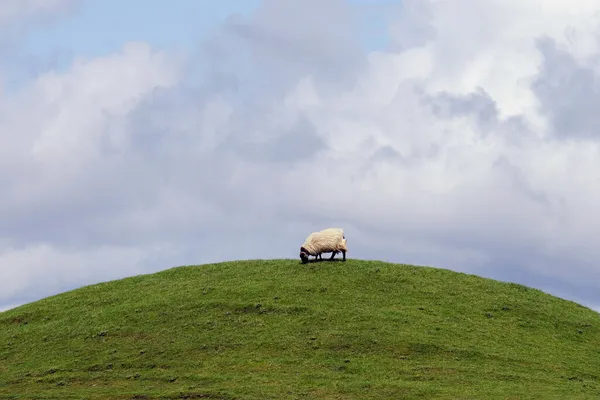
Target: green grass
278 329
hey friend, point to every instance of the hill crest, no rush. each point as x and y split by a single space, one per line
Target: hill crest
279 329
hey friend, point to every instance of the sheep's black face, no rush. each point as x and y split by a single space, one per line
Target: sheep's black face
303 255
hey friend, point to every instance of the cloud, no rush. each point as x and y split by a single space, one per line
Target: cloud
568 91
68 268
13 10
19 17
287 40
467 146
68 170
8 307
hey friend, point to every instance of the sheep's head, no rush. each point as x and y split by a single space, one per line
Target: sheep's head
303 255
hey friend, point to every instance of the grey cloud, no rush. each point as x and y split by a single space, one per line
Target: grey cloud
276 144
286 40
516 131
568 93
566 285
478 103
518 181
389 155
480 106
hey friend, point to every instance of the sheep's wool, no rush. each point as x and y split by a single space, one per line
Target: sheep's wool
325 241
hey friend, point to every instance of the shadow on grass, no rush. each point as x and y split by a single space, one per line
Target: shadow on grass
325 260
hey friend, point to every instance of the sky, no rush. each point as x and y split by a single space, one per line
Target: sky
142 135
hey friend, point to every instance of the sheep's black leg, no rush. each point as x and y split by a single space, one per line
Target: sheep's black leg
333 253
344 254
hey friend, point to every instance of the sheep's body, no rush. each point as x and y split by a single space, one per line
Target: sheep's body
330 240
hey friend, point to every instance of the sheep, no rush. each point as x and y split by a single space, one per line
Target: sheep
330 240
335 232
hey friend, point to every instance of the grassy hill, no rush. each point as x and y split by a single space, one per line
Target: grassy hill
281 330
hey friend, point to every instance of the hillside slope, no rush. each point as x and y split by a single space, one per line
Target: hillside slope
281 330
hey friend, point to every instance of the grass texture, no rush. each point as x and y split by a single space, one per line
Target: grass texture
277 329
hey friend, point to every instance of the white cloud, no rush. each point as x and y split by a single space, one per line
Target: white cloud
44 269
67 132
8 307
66 168
455 148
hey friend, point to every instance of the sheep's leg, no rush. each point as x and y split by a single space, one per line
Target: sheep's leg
333 253
344 254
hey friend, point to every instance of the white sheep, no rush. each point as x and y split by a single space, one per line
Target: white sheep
330 240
